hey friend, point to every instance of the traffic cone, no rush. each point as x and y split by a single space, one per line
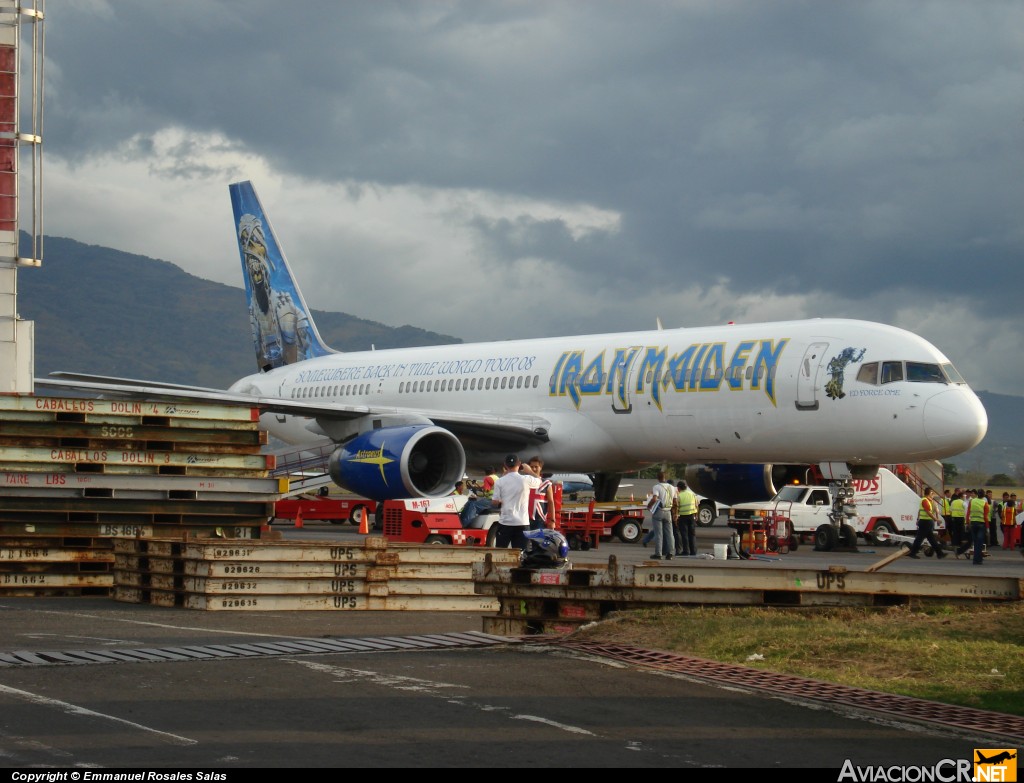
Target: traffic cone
364 523
298 517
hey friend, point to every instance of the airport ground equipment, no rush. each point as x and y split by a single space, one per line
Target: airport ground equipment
436 521
76 473
560 601
336 510
834 514
276 575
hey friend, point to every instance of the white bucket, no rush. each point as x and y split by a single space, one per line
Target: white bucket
721 551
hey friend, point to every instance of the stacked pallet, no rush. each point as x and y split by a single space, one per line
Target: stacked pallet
55 566
75 473
559 601
265 575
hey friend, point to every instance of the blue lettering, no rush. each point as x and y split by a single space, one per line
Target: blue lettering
739 360
711 372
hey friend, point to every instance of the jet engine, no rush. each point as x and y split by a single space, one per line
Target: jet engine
399 462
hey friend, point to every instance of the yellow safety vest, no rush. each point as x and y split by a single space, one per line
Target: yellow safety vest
956 508
926 511
687 503
976 510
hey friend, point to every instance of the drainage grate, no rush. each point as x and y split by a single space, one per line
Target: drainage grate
964 719
249 650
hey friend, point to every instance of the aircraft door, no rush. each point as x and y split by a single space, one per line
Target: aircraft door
282 393
807 377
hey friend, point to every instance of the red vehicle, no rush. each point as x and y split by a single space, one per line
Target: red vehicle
336 510
586 526
436 521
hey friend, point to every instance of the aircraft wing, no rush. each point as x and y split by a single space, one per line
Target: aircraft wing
487 430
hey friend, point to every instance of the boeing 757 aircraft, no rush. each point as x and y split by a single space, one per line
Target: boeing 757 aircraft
408 422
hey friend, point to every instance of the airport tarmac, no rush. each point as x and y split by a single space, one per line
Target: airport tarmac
187 690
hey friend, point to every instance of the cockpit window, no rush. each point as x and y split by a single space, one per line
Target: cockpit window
868 373
919 372
952 374
892 372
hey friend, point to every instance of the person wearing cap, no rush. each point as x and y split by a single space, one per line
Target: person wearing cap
512 496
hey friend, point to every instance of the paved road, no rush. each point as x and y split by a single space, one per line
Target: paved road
506 705
226 704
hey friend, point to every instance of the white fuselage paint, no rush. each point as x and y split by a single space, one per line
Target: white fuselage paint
734 393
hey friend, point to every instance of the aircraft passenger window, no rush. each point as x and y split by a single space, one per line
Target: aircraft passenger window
868 373
750 372
919 372
504 381
536 380
519 382
892 372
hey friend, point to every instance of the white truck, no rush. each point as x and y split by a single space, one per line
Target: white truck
835 514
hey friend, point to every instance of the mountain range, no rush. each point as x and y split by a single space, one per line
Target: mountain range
104 311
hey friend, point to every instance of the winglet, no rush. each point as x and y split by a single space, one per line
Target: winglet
283 331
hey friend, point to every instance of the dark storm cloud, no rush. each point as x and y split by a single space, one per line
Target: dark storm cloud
832 149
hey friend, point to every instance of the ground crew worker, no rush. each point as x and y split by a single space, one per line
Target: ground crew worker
977 512
957 509
489 481
686 522
927 515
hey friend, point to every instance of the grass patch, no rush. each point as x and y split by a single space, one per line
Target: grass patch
966 655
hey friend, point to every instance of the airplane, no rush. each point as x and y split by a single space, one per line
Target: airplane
1004 756
574 483
847 395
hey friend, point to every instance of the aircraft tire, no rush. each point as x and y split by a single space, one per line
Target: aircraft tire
848 536
825 538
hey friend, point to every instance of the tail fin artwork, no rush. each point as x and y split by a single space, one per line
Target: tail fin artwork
283 331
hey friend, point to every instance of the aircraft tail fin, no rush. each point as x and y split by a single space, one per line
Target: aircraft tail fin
283 331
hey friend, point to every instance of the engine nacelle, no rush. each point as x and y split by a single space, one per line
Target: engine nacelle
732 484
419 461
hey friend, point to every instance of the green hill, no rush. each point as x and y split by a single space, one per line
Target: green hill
107 312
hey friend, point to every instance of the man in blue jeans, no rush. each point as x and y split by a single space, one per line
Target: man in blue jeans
662 519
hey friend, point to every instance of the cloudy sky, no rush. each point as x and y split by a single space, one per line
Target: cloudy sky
495 170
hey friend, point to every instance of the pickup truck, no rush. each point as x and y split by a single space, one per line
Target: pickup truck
876 508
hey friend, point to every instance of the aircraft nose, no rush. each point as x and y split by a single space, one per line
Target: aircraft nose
955 421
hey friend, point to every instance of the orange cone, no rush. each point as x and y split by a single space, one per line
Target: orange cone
364 523
298 517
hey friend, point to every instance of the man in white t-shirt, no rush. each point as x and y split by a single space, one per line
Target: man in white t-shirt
512 495
661 518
